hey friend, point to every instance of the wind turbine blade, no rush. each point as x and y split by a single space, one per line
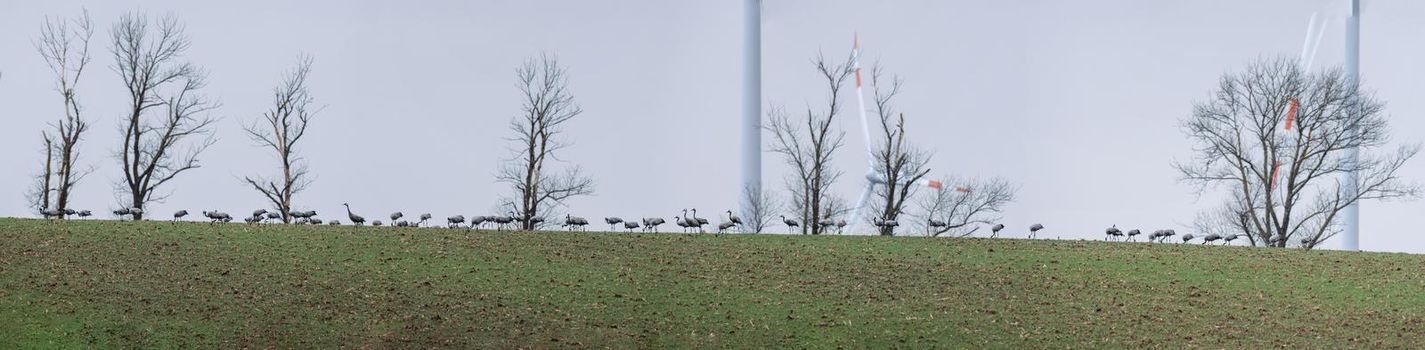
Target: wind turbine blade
1316 44
861 99
1308 47
860 205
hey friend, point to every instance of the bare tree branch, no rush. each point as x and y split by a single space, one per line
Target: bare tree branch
900 165
166 109
64 45
547 106
972 202
279 130
808 144
761 208
1286 184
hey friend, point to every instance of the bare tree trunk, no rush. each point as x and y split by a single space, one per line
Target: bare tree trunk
39 195
64 45
548 105
280 129
166 108
1275 137
808 146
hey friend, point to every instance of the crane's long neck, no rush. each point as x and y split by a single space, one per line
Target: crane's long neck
348 209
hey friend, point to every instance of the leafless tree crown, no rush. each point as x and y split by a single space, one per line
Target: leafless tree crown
965 204
547 107
64 45
166 109
807 145
280 129
1276 137
900 164
761 209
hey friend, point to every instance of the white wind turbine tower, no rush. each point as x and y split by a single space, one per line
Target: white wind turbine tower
751 104
1315 29
1351 239
874 176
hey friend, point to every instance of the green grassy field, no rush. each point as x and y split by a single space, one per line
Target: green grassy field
102 284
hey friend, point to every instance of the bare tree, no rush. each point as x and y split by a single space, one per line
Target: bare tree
1276 137
64 44
547 107
39 196
807 145
899 164
761 209
166 108
280 129
972 202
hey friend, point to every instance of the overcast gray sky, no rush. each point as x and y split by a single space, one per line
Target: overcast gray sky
1078 101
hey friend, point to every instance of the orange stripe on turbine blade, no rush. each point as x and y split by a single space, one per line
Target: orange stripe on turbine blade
934 184
858 78
1291 112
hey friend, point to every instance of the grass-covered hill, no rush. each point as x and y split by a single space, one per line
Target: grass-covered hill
103 284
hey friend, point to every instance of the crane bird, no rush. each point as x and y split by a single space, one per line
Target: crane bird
697 221
1034 230
1187 237
1211 237
613 220
120 213
688 222
651 224
454 221
179 215
51 214
252 219
334 223
1112 232
1132 233
886 224
355 219
396 216
681 222
840 224
1227 240
935 224
630 225
376 223
994 230
791 224
424 217
575 222
260 213
478 220
135 213
84 214
501 221
722 228
826 224
733 219
217 216
315 221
